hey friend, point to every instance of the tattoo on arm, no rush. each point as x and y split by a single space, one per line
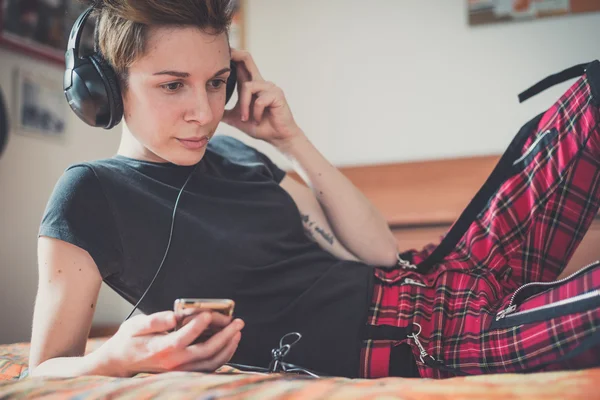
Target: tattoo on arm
308 228
307 223
309 233
327 236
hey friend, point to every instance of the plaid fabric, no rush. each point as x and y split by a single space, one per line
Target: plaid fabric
527 232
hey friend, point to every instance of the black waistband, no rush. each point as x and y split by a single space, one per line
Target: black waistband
386 332
591 69
593 75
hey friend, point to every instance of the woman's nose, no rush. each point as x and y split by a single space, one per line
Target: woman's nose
200 110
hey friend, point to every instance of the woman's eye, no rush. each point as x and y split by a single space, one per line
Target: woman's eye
172 87
216 83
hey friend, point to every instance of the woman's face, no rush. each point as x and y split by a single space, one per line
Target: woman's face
176 94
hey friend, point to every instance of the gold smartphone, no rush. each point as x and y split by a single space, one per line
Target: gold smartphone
186 309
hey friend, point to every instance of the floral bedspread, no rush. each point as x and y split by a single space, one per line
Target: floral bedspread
230 384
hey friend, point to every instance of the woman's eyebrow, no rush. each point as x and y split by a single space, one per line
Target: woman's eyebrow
174 73
180 74
221 72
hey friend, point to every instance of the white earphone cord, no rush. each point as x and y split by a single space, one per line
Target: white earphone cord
168 244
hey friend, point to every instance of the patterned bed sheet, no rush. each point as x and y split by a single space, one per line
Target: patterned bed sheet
231 384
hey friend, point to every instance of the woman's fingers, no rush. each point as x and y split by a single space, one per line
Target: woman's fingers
243 57
222 357
254 94
213 346
182 338
219 320
264 99
255 91
154 323
245 98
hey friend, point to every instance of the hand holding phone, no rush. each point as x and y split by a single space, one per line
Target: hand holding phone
149 343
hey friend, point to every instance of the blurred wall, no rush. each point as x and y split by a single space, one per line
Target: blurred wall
29 168
393 80
369 82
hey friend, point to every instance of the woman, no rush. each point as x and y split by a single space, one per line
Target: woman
318 261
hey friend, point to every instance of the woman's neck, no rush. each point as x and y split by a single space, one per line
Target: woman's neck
132 148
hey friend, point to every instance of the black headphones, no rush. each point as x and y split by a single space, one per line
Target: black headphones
91 85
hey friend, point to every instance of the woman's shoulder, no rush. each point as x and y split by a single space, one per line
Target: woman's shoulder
78 185
85 183
75 178
82 175
78 212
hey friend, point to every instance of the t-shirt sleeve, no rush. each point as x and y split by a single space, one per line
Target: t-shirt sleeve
237 151
78 212
278 173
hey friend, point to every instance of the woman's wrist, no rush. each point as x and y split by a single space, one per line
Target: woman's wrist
291 145
102 362
94 363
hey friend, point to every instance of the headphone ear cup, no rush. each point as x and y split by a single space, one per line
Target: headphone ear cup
87 93
115 102
231 82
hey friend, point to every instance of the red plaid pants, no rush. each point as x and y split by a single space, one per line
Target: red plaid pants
527 232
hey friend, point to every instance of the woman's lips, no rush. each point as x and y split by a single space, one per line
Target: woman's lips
194 144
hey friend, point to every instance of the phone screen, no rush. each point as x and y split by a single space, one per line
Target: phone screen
186 308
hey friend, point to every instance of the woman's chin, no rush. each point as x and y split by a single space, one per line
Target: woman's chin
187 158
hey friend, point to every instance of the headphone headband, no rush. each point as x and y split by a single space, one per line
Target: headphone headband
76 31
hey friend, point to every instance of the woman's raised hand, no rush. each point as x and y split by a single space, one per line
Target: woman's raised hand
261 111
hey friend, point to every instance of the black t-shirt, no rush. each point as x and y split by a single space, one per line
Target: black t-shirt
237 234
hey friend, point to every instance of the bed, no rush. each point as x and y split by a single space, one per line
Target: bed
231 384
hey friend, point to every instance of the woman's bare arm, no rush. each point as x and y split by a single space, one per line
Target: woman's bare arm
69 283
68 287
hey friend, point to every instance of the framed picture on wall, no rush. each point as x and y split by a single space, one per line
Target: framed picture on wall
39 104
492 11
40 28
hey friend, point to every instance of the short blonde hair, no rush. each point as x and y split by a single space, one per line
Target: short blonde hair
122 25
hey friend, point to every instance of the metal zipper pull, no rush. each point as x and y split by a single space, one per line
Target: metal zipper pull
552 284
409 281
503 313
428 359
422 350
405 264
570 300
